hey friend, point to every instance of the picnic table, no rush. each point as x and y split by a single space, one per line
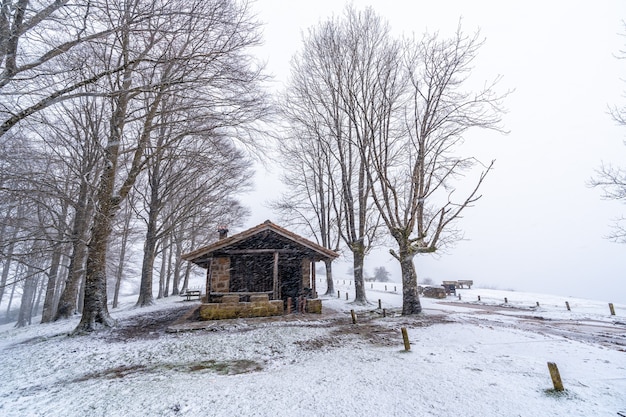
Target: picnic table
188 294
465 282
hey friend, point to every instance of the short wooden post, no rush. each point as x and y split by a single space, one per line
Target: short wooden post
567 305
338 294
346 295
353 316
384 312
385 288
537 303
556 376
479 298
288 305
405 337
379 304
459 296
394 289
506 300
612 309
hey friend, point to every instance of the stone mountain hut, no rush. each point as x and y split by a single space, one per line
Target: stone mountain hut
255 272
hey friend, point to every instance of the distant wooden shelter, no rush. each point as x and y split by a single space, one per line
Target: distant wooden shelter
266 259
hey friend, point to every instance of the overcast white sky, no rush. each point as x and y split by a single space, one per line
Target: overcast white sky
538 226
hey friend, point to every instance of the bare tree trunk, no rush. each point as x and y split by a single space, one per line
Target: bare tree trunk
358 256
410 297
48 305
177 264
164 260
8 315
145 290
330 285
68 302
119 272
26 306
6 267
40 291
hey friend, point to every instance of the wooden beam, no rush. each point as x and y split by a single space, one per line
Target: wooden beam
257 251
275 275
313 279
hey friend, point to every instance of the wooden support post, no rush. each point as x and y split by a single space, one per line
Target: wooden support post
479 298
384 312
405 337
353 316
338 294
314 288
556 376
276 288
567 305
379 304
346 295
506 300
537 303
612 309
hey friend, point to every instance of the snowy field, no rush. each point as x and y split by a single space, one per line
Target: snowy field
467 358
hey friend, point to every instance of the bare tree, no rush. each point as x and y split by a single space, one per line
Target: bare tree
327 75
166 48
414 161
612 179
38 71
308 173
201 171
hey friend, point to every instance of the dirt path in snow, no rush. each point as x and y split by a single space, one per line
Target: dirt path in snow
611 335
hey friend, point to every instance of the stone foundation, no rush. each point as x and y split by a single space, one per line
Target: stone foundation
314 306
231 308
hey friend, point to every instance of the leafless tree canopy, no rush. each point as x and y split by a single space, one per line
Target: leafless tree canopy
612 179
102 100
389 116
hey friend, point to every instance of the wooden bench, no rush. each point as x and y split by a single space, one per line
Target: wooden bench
465 282
188 294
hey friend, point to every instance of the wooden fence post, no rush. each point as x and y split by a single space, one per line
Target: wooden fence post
479 298
338 294
379 304
346 295
384 312
353 316
556 376
405 337
567 305
612 309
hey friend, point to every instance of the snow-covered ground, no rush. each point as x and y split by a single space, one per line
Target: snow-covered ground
467 358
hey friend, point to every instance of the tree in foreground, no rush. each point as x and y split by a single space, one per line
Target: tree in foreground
393 115
415 159
169 49
330 80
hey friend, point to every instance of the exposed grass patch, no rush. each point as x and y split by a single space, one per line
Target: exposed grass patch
234 367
